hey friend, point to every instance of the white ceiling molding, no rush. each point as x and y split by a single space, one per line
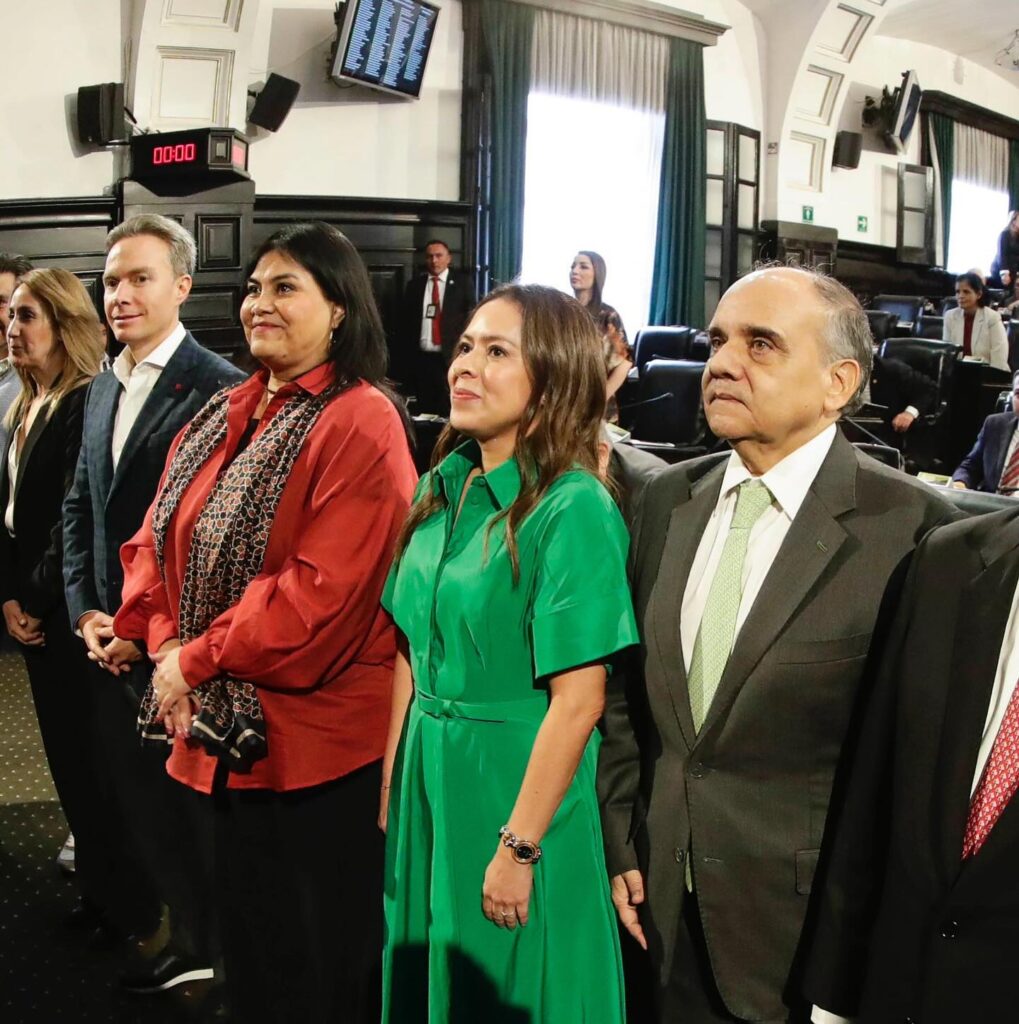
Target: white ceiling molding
817 90
841 32
804 161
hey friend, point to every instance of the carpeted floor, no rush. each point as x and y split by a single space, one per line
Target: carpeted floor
47 973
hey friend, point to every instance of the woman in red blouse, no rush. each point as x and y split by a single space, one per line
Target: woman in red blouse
254 584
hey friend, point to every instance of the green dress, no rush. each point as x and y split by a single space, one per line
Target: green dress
480 649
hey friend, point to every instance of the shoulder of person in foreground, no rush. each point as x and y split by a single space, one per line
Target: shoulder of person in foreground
367 413
890 490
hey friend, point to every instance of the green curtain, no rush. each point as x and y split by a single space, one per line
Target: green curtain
507 31
943 129
677 287
1013 175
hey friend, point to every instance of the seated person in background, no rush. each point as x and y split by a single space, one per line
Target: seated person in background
1006 263
618 360
905 394
993 463
972 325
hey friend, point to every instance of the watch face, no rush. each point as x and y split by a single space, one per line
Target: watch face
524 852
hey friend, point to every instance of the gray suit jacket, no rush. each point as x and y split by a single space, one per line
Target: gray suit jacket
749 794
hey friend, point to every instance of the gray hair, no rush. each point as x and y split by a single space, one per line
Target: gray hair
183 251
847 333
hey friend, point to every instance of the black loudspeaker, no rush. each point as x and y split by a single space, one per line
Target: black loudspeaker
273 103
847 150
101 113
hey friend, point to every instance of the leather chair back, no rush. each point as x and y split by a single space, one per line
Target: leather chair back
906 307
882 323
671 409
661 343
947 303
883 453
932 327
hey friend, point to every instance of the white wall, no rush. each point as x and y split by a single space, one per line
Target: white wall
54 47
870 190
354 141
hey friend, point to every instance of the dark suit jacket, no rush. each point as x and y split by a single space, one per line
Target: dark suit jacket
895 385
749 794
981 469
457 303
30 567
105 508
906 930
630 469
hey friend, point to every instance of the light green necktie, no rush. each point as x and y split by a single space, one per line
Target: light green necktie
718 624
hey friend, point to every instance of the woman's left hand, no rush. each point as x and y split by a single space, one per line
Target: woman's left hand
506 893
168 681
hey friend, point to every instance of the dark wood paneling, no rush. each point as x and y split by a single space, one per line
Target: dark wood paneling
934 102
870 270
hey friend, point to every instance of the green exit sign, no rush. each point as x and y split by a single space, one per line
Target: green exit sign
861 223
808 214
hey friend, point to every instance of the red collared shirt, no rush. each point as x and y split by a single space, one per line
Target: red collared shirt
309 631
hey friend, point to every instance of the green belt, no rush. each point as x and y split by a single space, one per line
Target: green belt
528 710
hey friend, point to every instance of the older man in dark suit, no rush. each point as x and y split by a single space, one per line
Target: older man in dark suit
992 464
132 413
919 916
758 580
434 314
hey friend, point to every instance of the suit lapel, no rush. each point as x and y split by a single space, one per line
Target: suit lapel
984 609
813 540
171 389
38 429
104 411
1006 440
686 527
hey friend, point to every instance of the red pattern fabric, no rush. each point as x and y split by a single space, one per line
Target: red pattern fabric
436 303
998 784
967 333
1009 481
309 632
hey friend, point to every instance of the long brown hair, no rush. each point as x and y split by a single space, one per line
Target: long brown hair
76 325
561 426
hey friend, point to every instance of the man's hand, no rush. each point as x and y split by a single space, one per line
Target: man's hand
105 648
22 626
903 422
627 895
959 485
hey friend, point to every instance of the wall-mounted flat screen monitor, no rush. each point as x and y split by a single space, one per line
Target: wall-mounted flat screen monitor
907 106
384 44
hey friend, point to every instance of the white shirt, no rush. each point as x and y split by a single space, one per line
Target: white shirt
788 482
12 483
137 381
426 301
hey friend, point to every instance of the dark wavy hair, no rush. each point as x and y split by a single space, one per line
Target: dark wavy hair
976 282
561 426
598 262
358 347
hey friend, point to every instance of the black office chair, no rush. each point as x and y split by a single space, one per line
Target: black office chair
882 324
934 359
426 433
700 347
930 327
906 307
975 503
883 453
947 303
670 409
661 343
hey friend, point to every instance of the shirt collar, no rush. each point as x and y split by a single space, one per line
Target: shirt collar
5 366
788 480
503 482
443 277
124 364
315 381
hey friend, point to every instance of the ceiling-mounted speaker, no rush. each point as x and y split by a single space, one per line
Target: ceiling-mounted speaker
847 150
101 113
273 103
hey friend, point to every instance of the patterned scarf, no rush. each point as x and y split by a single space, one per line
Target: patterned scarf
227 551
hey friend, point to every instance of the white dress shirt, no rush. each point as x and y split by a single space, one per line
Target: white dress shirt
426 321
137 381
788 482
12 483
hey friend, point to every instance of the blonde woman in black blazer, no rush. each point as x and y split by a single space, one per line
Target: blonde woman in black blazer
56 346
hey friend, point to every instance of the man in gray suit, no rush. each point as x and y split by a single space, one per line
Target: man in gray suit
759 581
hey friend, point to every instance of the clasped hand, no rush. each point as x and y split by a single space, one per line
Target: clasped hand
506 893
22 626
177 702
105 648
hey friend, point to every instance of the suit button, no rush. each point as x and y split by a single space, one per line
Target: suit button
949 929
680 855
697 771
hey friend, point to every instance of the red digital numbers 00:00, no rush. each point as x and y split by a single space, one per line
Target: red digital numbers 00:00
183 153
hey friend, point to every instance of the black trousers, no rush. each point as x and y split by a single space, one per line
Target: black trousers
299 887
162 827
109 880
691 995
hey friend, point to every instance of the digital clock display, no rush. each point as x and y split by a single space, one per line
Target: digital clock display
182 153
200 153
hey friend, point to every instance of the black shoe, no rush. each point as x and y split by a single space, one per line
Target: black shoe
84 917
164 972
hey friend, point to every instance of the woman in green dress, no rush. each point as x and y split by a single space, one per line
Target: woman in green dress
510 594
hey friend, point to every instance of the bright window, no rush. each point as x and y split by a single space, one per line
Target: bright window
978 216
592 180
